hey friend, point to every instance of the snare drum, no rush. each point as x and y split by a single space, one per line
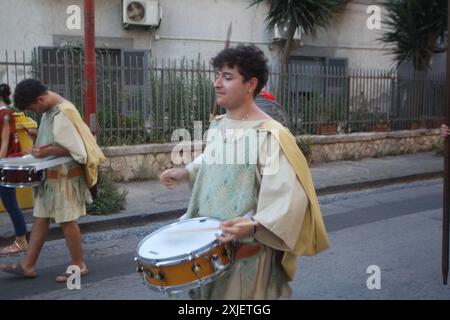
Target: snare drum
183 255
20 176
26 171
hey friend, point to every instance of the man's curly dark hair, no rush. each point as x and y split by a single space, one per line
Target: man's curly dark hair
27 91
249 60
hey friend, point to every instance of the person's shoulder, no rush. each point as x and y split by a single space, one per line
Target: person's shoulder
219 117
271 124
215 120
66 105
5 110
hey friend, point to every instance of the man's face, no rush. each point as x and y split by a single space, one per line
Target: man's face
231 90
40 105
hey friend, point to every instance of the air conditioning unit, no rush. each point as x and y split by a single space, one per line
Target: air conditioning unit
280 32
147 13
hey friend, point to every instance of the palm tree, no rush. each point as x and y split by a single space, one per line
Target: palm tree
414 28
308 15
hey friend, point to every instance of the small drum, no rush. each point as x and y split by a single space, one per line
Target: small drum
27 171
19 177
183 255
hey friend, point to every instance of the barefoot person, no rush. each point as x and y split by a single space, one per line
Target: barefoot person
280 200
64 192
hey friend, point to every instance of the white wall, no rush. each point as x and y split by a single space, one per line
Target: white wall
349 37
188 27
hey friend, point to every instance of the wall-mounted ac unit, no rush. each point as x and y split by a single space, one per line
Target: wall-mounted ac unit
280 32
147 13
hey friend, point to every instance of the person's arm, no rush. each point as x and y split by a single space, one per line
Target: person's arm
47 151
192 169
67 137
5 137
281 208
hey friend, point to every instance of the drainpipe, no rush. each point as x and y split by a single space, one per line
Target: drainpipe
446 207
90 79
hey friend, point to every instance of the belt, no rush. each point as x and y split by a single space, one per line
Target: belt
246 250
73 172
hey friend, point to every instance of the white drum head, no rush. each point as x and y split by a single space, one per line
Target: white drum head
179 239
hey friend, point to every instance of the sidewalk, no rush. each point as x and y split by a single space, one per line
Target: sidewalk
149 201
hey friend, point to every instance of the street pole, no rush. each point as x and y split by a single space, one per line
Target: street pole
90 79
445 217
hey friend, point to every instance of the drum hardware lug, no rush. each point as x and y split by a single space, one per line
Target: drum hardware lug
225 252
149 273
158 276
140 268
217 264
196 269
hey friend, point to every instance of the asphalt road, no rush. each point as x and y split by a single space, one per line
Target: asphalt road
395 230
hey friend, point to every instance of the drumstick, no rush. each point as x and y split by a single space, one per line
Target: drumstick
240 224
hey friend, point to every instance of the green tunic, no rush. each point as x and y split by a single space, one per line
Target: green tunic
226 191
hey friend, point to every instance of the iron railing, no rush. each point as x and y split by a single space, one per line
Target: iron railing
143 100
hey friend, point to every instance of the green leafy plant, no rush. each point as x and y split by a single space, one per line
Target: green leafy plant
438 148
109 199
305 144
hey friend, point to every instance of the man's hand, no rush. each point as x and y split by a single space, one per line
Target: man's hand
233 232
171 177
40 152
445 131
50 150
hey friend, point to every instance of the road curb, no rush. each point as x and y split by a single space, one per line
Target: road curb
55 231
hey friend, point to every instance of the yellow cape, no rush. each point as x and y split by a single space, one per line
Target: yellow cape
94 155
312 238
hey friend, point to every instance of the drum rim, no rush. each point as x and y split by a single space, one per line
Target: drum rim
179 258
190 285
18 167
20 184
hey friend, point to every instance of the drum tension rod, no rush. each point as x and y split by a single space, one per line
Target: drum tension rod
160 276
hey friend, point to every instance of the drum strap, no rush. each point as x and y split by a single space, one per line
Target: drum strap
73 172
247 250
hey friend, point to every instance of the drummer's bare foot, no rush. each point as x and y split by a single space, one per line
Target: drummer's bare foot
65 275
17 269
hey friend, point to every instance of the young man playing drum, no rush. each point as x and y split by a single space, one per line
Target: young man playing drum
64 192
279 198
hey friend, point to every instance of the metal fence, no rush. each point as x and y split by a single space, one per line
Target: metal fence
143 100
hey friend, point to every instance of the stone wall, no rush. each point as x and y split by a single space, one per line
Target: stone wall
141 162
372 144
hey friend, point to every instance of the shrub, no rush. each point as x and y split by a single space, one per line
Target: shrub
305 145
438 148
109 199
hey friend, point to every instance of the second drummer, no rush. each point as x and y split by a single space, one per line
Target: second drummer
63 194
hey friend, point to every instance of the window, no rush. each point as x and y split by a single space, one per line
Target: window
318 75
121 74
